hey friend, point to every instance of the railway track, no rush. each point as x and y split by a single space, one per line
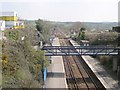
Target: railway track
78 74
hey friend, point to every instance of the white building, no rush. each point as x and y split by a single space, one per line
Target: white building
12 13
2 25
84 42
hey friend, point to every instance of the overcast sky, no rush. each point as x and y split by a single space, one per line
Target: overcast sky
64 10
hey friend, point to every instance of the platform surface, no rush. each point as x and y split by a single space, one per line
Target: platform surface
56 73
99 71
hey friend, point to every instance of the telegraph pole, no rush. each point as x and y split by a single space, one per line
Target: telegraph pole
117 29
119 54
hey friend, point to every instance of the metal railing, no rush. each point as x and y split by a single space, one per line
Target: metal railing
80 50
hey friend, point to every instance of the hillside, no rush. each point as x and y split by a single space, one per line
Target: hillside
100 25
93 26
21 63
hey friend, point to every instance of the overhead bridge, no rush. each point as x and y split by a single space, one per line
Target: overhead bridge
80 50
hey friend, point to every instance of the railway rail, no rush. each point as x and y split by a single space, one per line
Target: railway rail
78 73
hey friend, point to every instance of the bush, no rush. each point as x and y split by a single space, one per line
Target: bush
12 34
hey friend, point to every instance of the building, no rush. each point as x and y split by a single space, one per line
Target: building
2 28
11 20
2 25
119 13
84 42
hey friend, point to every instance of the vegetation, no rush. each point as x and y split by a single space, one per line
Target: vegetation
81 35
43 27
21 63
39 25
13 35
107 61
102 38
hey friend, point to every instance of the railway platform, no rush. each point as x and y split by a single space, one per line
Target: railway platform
108 82
55 72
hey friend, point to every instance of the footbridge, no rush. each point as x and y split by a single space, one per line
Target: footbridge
80 50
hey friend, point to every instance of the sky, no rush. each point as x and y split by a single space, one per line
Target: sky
64 10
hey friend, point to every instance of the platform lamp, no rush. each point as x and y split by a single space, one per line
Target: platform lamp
38 39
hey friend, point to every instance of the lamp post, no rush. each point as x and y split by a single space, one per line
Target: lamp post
38 39
44 75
